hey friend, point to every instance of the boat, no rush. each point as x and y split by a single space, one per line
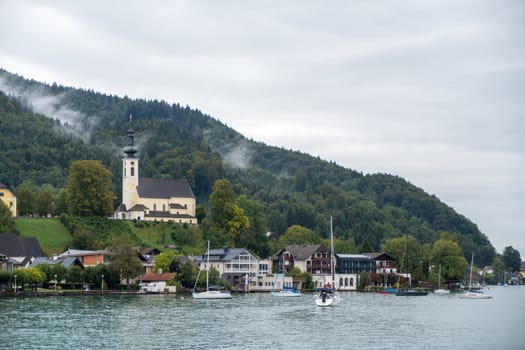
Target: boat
441 291
327 296
471 293
408 292
210 293
284 291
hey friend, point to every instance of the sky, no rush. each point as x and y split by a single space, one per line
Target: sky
432 91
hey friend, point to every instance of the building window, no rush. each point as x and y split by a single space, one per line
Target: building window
164 207
1 194
132 171
154 207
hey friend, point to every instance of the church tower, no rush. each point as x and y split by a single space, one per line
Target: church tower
130 170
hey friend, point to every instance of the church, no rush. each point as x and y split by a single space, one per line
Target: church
152 199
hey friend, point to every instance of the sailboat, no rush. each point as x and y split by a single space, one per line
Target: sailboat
284 291
327 296
209 294
409 292
441 291
470 294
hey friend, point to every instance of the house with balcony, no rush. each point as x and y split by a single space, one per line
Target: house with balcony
236 265
385 273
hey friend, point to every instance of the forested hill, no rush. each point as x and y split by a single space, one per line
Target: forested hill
176 141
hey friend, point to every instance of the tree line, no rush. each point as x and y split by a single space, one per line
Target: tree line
277 189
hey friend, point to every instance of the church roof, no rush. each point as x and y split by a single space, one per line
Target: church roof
164 188
138 207
303 251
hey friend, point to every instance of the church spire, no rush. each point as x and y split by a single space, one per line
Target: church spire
130 149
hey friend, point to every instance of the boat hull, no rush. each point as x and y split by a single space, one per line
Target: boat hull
411 293
327 297
474 296
212 295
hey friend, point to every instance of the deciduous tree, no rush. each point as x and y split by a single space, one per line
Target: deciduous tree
89 189
124 258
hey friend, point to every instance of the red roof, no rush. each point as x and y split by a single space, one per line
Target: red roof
155 277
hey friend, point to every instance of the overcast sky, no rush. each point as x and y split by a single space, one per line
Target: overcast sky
432 91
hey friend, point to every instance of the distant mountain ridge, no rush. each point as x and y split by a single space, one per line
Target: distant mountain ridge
180 142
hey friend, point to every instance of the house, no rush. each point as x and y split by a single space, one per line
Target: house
157 283
152 199
385 264
312 258
349 267
88 257
147 258
385 271
236 265
8 198
17 252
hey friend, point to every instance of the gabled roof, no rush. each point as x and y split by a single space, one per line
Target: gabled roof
223 255
149 251
77 252
121 207
379 256
14 245
138 207
167 214
155 277
67 262
164 188
304 251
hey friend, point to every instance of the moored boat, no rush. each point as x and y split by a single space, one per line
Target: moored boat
210 293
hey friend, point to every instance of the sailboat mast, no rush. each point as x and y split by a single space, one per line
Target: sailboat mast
332 271
471 267
208 268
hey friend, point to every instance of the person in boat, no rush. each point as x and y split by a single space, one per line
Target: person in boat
323 296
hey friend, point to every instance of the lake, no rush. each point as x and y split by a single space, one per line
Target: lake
260 321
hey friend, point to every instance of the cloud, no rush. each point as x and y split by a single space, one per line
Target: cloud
52 106
428 91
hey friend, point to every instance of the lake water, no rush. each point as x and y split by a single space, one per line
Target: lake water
260 321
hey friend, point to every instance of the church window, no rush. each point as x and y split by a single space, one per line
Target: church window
132 171
124 171
154 207
164 207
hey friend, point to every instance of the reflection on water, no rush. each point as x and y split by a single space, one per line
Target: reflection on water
259 321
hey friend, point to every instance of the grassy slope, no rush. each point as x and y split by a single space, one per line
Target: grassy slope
52 236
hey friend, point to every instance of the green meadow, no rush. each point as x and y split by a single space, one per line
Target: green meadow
52 236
